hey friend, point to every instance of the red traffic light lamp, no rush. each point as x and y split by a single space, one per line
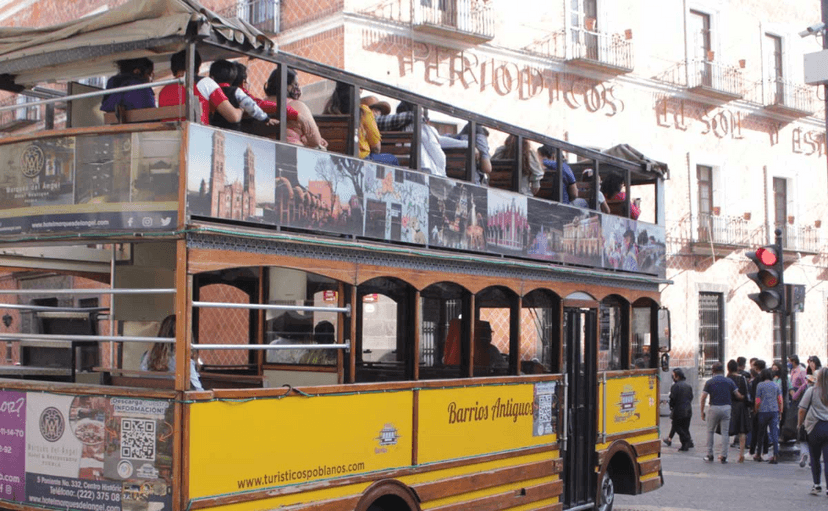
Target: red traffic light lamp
768 277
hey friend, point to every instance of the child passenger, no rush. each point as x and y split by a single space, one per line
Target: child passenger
224 73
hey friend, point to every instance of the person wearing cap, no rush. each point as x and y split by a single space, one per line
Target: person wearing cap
370 140
721 391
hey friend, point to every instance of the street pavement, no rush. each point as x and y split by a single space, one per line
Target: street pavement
691 484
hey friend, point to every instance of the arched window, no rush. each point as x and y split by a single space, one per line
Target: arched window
540 341
443 345
614 334
385 316
496 332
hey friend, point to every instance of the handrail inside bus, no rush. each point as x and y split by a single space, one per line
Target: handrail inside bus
102 92
81 338
255 306
268 347
87 291
45 308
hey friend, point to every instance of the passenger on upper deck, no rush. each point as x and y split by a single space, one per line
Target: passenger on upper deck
532 172
570 190
301 132
130 72
224 73
481 142
583 202
269 107
370 141
210 96
161 357
432 157
613 188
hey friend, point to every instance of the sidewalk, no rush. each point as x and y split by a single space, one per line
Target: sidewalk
691 484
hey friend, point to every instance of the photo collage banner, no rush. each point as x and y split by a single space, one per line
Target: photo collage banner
234 176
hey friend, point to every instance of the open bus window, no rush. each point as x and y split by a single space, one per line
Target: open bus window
539 341
642 318
384 324
613 332
496 332
441 331
298 288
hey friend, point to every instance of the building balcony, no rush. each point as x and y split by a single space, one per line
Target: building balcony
11 120
609 53
799 238
469 20
715 80
718 235
262 14
708 78
786 98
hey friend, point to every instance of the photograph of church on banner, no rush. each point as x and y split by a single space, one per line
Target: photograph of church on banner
229 175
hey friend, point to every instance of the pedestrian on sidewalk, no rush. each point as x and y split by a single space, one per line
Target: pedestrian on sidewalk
756 367
740 415
813 415
768 405
681 409
721 391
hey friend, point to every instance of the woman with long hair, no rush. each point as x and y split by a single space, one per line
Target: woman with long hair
299 133
161 357
532 172
813 415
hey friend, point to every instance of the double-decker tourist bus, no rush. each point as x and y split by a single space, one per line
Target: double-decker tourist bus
195 317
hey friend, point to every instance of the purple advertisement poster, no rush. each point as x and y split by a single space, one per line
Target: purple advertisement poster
12 445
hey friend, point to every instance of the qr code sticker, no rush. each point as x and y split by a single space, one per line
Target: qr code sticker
138 439
545 409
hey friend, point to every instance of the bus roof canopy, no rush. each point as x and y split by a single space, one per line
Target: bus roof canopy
139 28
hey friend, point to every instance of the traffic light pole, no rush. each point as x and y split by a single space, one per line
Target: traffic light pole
782 314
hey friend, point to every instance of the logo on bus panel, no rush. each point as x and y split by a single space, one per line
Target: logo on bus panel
388 436
32 161
52 424
627 405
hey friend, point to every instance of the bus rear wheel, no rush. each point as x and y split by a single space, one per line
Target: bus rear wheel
388 495
606 496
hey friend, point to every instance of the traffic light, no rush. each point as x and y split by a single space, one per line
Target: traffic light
768 262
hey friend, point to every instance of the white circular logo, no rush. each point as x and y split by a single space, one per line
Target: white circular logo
124 469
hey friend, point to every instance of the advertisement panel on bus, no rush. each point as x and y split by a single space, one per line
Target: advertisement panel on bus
85 452
89 183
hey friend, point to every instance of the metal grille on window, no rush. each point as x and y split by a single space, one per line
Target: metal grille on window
711 340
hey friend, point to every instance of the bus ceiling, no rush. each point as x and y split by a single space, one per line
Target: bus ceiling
90 46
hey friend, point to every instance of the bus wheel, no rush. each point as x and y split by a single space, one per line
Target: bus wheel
607 494
388 495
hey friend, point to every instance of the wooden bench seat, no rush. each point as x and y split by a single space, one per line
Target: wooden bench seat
397 143
502 175
145 115
334 129
456 163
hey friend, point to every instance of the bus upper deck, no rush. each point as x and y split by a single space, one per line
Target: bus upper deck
403 330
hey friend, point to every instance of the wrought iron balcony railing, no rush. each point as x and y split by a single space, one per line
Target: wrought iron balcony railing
470 17
609 49
604 49
722 230
716 76
782 94
803 238
262 14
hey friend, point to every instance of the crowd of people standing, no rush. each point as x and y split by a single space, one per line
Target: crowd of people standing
759 410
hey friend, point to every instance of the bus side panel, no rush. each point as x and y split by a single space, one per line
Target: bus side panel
629 411
459 423
238 447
